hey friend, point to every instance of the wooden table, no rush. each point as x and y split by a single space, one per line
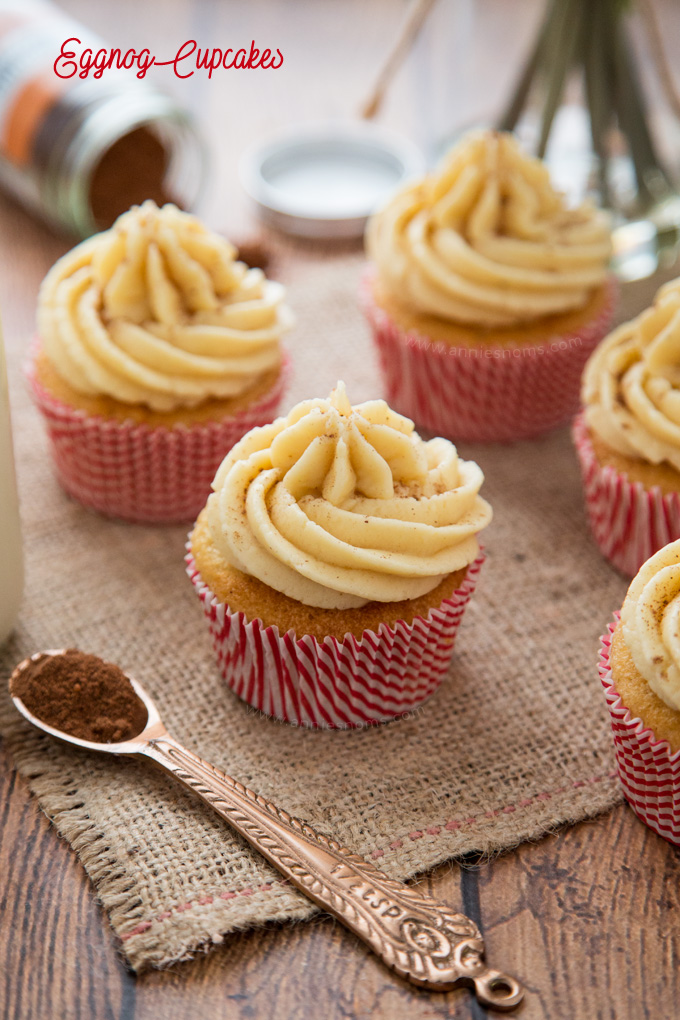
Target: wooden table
587 917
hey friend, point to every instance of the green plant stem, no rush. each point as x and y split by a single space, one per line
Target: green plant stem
597 71
568 31
651 178
513 111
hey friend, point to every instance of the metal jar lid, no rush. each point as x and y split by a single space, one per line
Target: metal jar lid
324 180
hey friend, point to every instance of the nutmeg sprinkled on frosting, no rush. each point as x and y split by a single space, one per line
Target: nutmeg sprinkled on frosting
158 311
487 241
337 505
631 384
650 619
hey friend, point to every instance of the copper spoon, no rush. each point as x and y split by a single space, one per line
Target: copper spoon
422 940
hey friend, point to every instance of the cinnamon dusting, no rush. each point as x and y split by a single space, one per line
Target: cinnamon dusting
81 695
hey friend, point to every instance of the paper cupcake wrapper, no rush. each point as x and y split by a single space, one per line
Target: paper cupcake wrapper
648 769
139 473
334 684
629 523
483 393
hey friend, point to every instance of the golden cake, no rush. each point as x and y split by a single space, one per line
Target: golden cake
337 534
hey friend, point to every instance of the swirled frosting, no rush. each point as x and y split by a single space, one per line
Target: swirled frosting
650 618
157 311
487 241
631 383
336 506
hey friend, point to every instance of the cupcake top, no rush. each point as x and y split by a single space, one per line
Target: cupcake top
631 383
336 506
157 311
487 241
650 619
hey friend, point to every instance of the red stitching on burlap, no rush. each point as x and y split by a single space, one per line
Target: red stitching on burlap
433 830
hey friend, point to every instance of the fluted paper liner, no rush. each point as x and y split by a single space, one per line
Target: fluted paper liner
483 393
334 684
130 470
628 522
649 771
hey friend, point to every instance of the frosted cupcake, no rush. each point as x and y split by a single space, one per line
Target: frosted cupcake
628 437
156 351
334 561
486 294
640 672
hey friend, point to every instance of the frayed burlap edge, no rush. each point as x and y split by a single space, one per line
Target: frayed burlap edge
199 924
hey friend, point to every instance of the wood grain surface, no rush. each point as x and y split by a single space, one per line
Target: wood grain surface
587 917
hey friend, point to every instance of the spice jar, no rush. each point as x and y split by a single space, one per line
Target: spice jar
11 560
80 151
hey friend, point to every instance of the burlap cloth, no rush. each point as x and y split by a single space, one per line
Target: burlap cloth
515 742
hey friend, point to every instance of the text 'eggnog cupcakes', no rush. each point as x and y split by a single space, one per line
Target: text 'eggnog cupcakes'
628 437
156 351
334 561
640 672
486 294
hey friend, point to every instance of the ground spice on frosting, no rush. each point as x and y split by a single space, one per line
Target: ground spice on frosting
83 696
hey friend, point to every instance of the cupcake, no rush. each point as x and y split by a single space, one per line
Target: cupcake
156 352
640 673
334 560
486 294
628 436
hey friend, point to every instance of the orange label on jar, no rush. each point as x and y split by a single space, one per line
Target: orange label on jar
25 115
31 36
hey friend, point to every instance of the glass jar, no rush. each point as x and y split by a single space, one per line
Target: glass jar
80 152
581 104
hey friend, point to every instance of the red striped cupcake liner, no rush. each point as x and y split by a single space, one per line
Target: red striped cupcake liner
140 473
334 684
483 393
628 522
649 771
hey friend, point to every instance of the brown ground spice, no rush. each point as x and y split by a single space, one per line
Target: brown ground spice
131 170
83 696
254 252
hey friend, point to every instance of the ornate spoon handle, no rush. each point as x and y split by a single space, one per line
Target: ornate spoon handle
419 938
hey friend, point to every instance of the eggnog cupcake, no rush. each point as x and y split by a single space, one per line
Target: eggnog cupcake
156 351
334 560
628 437
486 294
640 672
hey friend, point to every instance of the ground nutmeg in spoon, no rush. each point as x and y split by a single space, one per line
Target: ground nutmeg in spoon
81 695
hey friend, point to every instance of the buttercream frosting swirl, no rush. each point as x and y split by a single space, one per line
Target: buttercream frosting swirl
487 241
158 311
631 383
336 506
650 618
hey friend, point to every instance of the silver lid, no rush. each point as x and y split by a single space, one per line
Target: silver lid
324 180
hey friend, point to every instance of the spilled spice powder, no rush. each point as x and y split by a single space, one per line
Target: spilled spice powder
254 252
82 695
